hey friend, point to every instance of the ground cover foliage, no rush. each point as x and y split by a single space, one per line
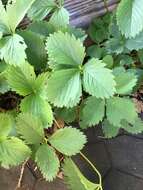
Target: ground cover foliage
49 80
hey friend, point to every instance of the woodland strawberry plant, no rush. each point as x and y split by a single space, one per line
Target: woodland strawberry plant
50 80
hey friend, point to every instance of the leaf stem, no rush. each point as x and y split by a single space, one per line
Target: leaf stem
94 168
57 123
21 175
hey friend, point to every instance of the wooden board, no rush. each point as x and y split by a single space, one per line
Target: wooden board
83 11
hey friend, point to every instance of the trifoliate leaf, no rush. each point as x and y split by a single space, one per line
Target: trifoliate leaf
36 53
125 81
64 88
60 19
16 10
119 109
39 107
92 112
30 128
13 152
109 130
135 43
129 17
65 50
98 81
21 79
47 161
75 179
12 49
116 42
65 141
5 125
135 128
98 30
68 115
40 9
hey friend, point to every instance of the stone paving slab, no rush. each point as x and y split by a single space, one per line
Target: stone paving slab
57 185
120 181
9 178
127 154
28 181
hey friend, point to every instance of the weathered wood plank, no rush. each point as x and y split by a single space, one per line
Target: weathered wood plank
83 11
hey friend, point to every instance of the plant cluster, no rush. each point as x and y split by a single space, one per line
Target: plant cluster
55 81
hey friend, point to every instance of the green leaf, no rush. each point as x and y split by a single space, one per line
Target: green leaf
109 130
12 49
41 84
3 66
95 51
64 88
21 79
30 128
68 115
13 152
65 141
39 107
60 2
64 49
135 43
43 28
116 42
36 53
115 45
125 81
98 81
75 179
60 19
16 10
77 32
40 9
135 128
129 17
4 87
108 59
126 60
119 109
92 112
98 30
4 26
140 55
13 114
1 34
47 162
5 125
